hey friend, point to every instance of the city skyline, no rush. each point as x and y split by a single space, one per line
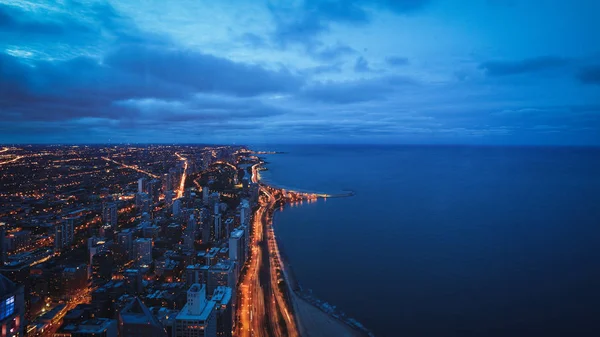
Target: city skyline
412 71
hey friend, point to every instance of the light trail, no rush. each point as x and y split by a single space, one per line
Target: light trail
12 160
183 176
131 167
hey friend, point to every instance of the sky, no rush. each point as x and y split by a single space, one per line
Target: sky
314 71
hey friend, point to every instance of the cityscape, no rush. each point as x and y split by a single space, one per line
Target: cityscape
147 241
304 168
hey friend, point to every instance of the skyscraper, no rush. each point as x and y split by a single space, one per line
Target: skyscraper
2 244
198 316
63 234
244 212
237 250
141 184
217 232
109 213
125 240
221 274
142 250
177 207
222 298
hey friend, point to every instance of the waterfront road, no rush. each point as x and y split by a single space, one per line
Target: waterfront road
263 309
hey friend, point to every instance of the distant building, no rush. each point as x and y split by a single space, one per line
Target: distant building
237 248
12 308
198 316
135 320
63 234
217 227
142 251
245 212
177 207
96 327
109 213
141 185
133 281
102 267
2 244
125 240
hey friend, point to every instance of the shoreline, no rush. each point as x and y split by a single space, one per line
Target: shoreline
302 302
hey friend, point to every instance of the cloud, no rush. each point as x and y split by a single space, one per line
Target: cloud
331 53
203 107
253 40
589 75
396 61
304 22
202 72
363 90
14 19
532 65
362 66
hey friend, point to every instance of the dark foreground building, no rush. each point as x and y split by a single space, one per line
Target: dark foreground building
12 308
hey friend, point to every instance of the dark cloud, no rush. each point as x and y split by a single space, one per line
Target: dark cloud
202 72
302 24
86 87
361 65
355 91
331 53
503 68
590 75
396 61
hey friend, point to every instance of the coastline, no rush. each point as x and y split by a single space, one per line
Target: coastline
314 317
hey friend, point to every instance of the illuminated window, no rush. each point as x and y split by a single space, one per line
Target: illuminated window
7 307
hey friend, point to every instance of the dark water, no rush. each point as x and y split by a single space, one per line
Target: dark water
448 241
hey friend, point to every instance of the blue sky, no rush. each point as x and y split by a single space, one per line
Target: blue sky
354 71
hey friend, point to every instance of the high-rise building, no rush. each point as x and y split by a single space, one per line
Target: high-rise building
196 273
142 251
217 227
225 312
141 185
205 193
198 316
221 274
244 212
102 267
109 213
206 224
2 244
237 248
63 234
12 308
213 202
133 281
136 320
177 207
190 233
125 240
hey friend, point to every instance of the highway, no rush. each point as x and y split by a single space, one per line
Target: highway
11 160
183 175
263 309
131 167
